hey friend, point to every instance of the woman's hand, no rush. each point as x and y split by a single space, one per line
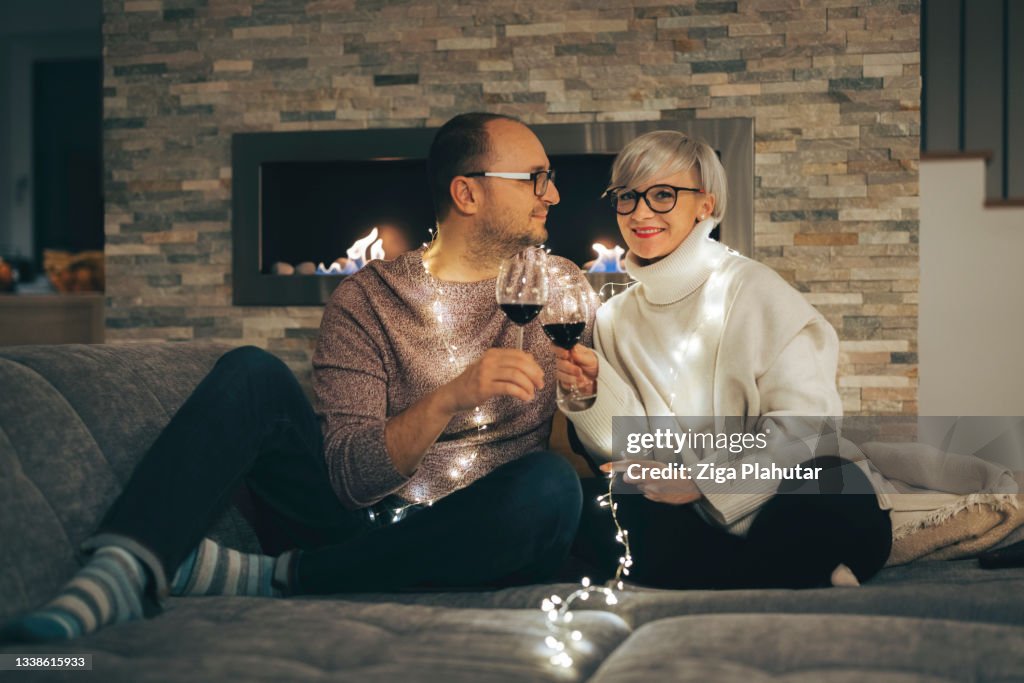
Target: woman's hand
668 491
578 368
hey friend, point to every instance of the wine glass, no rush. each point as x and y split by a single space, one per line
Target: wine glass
522 287
564 319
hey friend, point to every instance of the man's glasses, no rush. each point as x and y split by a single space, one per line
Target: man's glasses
540 178
660 198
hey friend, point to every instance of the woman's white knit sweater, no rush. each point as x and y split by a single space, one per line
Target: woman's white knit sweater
709 333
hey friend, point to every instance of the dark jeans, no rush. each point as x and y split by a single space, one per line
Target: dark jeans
248 422
796 540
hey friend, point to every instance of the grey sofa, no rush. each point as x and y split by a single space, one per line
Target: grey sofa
75 419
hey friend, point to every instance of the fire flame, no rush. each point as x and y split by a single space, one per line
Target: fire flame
357 252
377 250
608 260
356 255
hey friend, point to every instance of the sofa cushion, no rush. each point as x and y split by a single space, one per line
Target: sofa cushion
747 648
260 639
942 590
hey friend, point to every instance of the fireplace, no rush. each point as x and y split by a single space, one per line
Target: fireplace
304 198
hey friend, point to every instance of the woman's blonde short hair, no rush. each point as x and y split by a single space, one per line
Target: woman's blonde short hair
667 152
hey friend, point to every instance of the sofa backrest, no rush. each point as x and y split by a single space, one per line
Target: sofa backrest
74 421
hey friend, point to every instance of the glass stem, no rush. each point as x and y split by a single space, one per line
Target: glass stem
520 337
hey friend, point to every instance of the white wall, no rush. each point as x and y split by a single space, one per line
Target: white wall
971 324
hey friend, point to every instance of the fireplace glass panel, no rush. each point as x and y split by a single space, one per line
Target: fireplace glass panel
314 211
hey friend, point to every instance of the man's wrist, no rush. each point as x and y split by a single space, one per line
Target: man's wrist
444 402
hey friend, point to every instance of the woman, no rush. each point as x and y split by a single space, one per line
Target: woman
706 332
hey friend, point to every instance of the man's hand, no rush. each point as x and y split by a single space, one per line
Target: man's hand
409 434
578 368
509 372
668 491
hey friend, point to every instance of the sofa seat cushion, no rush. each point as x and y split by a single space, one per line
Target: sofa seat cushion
987 596
748 648
939 590
261 639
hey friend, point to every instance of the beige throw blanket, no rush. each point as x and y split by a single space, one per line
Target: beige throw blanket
955 527
944 506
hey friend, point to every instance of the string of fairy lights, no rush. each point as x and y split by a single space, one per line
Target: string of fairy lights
559 612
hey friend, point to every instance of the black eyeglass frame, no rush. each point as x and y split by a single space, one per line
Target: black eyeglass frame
613 192
548 174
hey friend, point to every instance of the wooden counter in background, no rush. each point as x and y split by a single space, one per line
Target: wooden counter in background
51 319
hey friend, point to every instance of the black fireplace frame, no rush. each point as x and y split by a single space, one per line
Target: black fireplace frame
733 138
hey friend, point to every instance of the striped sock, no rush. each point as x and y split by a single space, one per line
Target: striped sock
212 569
107 590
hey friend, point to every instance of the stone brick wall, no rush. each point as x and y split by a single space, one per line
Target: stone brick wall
833 86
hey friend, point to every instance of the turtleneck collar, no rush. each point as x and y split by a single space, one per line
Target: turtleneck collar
679 274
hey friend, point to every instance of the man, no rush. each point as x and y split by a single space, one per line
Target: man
424 464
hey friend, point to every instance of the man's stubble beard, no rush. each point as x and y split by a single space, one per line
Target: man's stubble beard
498 238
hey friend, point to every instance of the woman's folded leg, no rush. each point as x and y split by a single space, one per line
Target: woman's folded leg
802 534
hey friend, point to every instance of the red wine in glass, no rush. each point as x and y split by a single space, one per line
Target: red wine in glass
565 335
564 318
521 314
522 286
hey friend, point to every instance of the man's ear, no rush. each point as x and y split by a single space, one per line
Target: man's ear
466 195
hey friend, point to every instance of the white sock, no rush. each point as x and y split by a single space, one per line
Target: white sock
843 576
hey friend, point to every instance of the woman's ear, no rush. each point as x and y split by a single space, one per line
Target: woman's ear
707 206
465 195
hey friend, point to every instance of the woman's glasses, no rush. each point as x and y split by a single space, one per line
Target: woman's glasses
660 198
